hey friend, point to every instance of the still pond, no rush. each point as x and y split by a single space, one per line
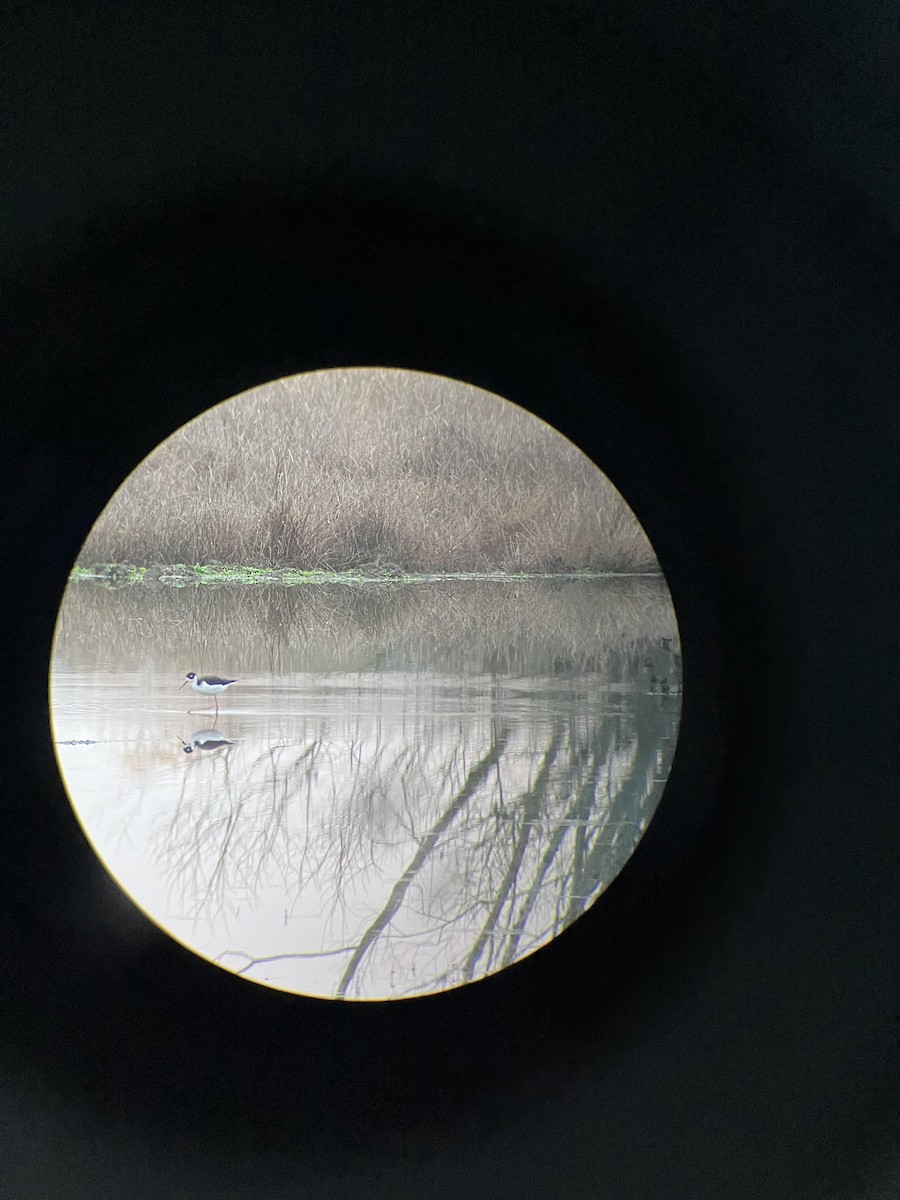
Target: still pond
408 788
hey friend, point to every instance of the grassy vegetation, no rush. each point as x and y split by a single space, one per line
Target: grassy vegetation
382 473
471 626
115 575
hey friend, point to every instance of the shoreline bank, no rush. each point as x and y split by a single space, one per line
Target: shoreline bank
181 575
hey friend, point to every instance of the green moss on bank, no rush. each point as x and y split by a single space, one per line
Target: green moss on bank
183 575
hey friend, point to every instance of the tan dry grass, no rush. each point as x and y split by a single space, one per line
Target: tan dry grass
532 626
370 468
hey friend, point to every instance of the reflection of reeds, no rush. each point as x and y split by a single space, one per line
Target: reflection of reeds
495 627
370 467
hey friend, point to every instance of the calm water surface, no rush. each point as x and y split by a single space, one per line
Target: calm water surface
423 784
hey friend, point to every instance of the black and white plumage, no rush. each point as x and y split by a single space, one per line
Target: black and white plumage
208 685
205 739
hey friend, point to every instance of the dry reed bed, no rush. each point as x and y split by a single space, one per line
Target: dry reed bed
474 627
362 468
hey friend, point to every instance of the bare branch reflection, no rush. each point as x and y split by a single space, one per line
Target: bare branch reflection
455 852
472 783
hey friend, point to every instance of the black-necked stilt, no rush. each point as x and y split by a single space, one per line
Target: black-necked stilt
205 739
208 685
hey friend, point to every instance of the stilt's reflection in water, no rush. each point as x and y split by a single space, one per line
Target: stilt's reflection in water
206 739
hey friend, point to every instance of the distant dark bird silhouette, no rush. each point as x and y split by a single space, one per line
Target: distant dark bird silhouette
666 644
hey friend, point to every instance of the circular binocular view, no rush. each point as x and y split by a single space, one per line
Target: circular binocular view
365 684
